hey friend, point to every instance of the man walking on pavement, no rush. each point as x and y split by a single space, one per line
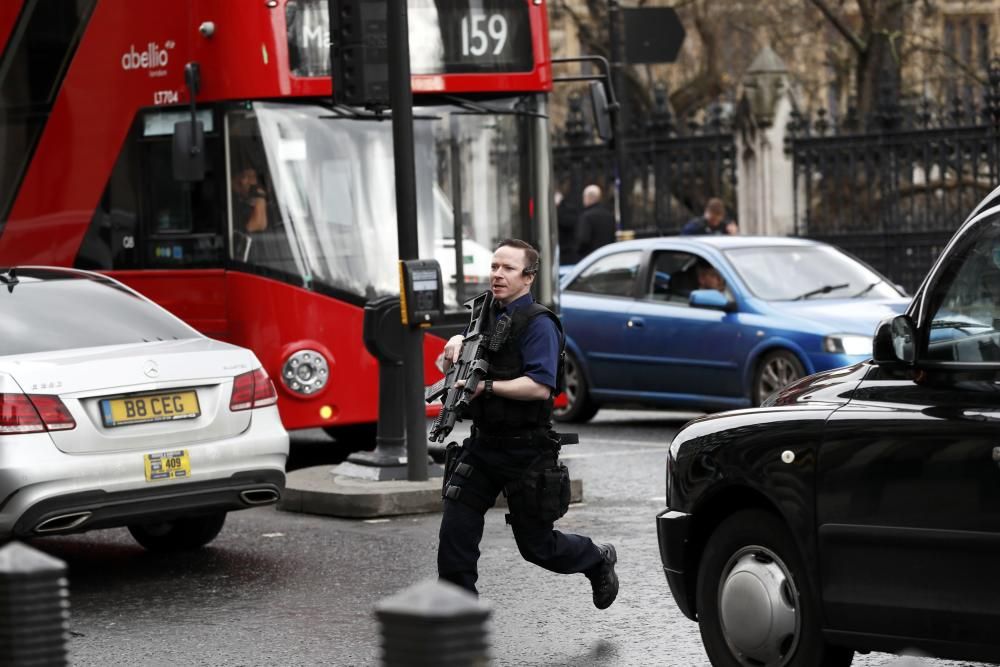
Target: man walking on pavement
596 226
512 447
710 222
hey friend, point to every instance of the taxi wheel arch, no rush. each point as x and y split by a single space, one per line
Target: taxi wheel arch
181 534
755 546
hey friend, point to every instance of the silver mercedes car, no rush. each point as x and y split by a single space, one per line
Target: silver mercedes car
113 412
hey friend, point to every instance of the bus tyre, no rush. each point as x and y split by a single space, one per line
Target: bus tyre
184 534
755 606
579 407
775 371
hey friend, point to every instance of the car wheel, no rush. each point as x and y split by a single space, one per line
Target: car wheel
182 534
579 407
755 607
775 371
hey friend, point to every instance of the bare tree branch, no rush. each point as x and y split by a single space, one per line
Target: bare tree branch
852 38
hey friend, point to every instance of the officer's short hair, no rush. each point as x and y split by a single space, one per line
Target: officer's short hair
531 263
716 207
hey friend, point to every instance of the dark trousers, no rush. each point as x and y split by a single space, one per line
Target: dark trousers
462 524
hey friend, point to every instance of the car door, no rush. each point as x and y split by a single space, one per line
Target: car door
680 349
908 479
595 308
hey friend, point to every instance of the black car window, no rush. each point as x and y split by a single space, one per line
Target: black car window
612 275
71 312
966 301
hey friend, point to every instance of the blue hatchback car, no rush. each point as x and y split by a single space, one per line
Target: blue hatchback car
713 322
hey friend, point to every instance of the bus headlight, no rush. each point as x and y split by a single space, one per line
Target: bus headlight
305 372
850 344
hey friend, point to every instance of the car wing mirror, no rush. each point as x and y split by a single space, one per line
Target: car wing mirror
709 298
895 341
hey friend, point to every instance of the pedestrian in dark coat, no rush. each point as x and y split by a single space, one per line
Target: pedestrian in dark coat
596 227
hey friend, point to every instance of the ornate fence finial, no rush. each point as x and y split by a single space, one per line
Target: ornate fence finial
714 119
692 123
822 124
991 96
924 114
852 122
576 127
661 120
957 112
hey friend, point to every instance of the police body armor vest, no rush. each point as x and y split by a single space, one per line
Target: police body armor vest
495 413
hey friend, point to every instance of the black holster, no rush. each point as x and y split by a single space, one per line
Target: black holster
543 492
452 452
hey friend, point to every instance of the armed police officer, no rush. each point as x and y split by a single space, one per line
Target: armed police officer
512 447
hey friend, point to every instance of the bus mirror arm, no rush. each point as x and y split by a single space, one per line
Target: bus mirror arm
602 93
189 136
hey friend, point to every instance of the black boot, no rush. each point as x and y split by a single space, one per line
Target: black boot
603 579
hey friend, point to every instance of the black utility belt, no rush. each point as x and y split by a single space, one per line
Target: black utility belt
510 440
542 438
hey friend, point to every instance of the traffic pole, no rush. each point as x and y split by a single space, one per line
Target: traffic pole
401 103
618 82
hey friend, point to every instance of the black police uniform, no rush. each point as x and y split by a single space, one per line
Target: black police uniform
508 438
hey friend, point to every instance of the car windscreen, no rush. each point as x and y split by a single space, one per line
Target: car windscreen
59 314
789 273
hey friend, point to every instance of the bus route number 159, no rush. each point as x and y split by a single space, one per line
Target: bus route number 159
482 32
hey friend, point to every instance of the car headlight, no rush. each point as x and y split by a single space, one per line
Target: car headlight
305 372
851 344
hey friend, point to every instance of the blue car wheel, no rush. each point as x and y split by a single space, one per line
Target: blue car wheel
775 371
579 407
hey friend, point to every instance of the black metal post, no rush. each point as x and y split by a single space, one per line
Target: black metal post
401 102
618 81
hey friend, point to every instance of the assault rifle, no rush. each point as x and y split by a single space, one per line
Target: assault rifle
471 366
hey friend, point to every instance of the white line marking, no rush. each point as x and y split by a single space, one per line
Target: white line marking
376 520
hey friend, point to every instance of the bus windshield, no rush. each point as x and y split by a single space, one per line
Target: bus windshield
313 194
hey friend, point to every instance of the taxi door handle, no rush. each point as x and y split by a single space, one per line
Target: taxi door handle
635 322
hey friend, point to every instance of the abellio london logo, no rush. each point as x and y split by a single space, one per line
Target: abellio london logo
152 57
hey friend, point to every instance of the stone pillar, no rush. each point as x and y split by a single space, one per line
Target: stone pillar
765 175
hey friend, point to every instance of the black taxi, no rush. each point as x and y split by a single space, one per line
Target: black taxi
857 509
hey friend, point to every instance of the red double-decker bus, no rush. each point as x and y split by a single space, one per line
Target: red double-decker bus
293 227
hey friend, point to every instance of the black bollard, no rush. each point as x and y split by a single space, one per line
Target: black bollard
434 623
34 608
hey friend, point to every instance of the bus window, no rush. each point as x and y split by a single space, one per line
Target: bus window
257 231
145 218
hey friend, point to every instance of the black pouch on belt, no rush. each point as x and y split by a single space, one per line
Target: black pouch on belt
541 494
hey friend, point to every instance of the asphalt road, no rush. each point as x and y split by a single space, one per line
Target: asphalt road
278 588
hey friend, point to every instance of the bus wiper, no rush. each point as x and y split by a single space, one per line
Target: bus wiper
341 111
867 289
9 279
825 289
478 108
